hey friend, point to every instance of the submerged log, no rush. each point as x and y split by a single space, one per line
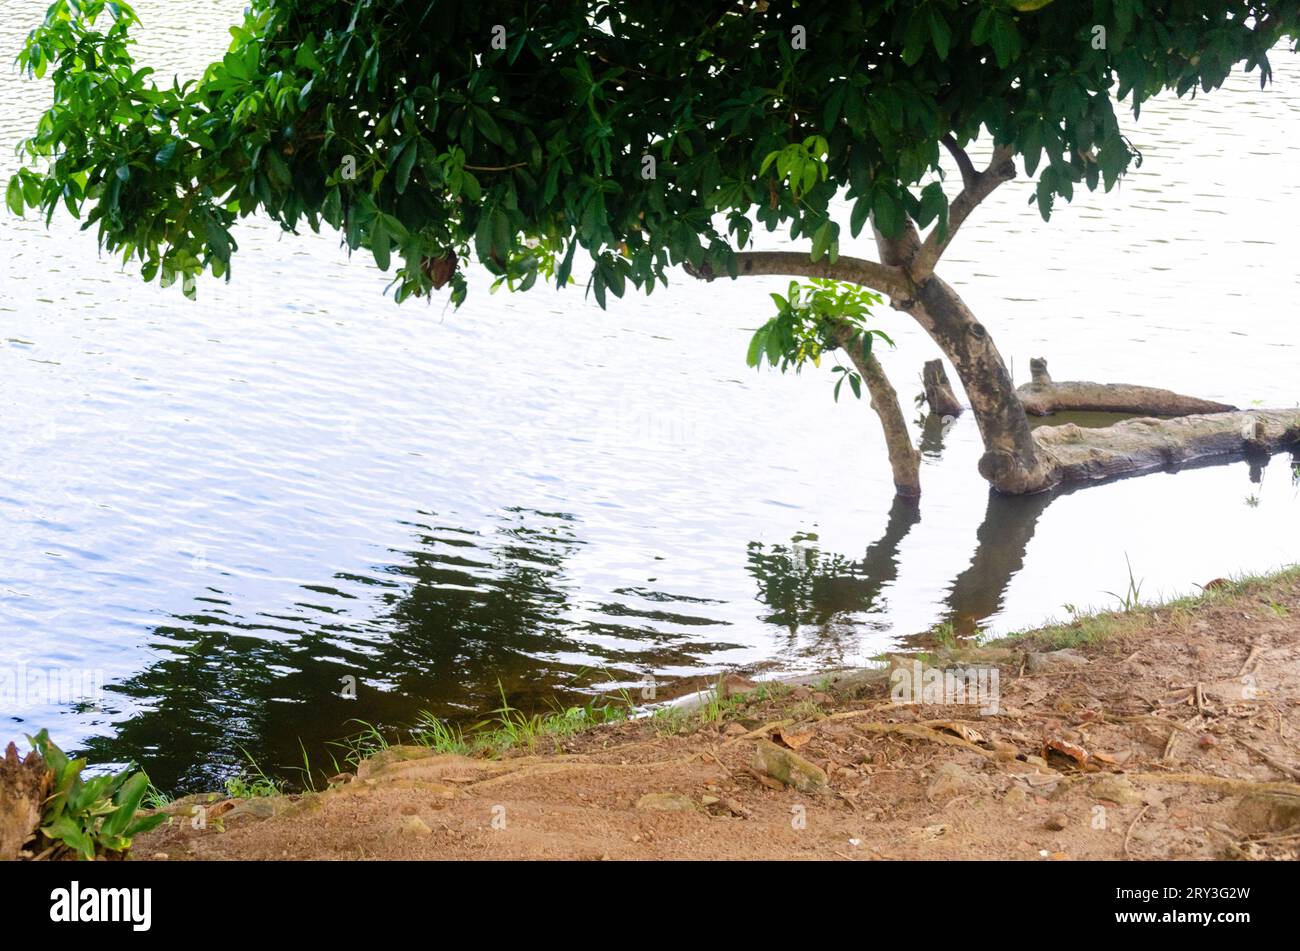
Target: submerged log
1043 396
1080 454
938 391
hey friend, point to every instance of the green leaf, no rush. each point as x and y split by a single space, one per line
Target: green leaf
940 33
380 244
306 55
888 212
405 162
914 38
128 799
1006 40
14 196
861 212
162 158
66 830
1044 196
821 241
146 824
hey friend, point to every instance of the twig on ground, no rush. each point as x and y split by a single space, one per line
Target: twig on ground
1133 825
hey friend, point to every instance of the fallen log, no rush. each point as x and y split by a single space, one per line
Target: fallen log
938 391
1043 397
1081 454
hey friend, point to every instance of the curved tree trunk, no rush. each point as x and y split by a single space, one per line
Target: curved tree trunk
1043 396
1010 462
904 458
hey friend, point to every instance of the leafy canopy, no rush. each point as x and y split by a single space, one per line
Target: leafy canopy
520 131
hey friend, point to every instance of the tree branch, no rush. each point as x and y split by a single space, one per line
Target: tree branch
1001 168
898 250
967 167
888 279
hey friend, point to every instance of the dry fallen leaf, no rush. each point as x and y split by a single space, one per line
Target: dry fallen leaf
794 738
1073 750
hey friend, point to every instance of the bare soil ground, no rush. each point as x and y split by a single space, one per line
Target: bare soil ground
1167 732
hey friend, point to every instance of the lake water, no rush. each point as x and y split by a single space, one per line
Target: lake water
221 509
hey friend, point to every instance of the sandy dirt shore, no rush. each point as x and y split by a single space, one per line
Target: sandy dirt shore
1166 732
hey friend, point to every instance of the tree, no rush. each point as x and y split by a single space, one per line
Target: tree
650 134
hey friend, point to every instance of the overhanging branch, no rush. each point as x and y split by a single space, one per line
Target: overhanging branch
885 278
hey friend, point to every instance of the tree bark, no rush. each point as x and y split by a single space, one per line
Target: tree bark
24 784
904 459
938 391
1043 396
1080 454
1010 462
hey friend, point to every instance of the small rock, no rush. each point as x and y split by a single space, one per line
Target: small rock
415 826
735 808
260 808
788 767
734 729
1207 741
800 693
733 685
160 856
666 802
1058 822
1045 660
1267 812
823 699
949 781
1005 751
1016 796
1115 789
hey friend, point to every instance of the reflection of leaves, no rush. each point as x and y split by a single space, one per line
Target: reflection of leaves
804 585
797 581
433 627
